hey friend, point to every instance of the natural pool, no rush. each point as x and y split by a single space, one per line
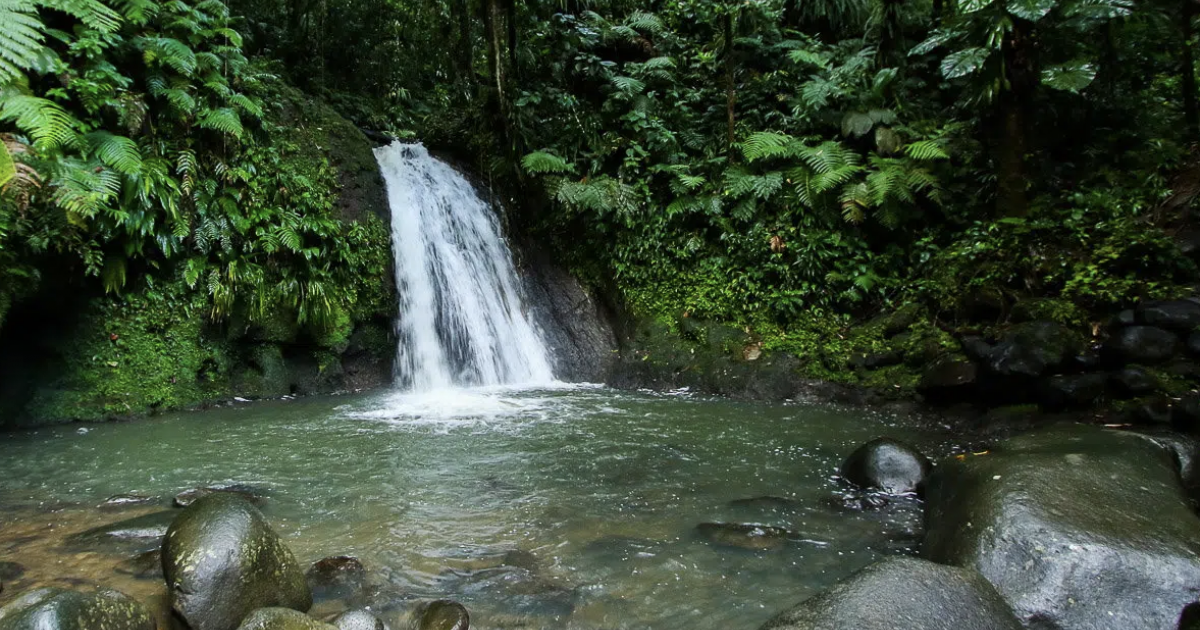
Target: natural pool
571 507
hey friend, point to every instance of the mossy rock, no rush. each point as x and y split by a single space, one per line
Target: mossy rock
62 609
222 561
282 619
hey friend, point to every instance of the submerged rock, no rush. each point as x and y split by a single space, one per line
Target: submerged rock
281 619
903 594
888 465
126 500
1076 526
750 536
358 620
255 495
336 577
141 533
443 614
143 566
222 560
61 609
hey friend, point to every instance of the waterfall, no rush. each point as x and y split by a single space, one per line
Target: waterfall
461 319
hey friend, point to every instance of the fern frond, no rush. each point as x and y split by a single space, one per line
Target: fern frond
925 150
21 38
169 51
84 189
766 144
645 22
93 13
45 121
828 156
117 152
628 85
224 120
543 162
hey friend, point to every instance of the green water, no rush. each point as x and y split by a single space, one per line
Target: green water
601 490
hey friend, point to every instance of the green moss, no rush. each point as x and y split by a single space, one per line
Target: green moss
1050 309
897 378
145 350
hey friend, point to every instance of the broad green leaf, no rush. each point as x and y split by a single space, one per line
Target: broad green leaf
1069 77
856 124
964 62
1032 10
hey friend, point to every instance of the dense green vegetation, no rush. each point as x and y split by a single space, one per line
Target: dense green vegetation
792 167
187 191
786 167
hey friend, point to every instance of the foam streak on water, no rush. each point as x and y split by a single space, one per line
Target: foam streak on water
461 319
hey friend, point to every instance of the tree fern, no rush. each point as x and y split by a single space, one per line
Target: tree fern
93 13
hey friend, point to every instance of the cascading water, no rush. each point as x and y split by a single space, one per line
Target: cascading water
461 319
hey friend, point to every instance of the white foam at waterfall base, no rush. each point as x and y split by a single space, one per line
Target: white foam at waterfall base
495 408
461 322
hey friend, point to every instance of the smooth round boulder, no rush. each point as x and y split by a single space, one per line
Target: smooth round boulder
281 619
887 465
1076 526
902 593
1141 344
222 560
443 614
62 609
358 620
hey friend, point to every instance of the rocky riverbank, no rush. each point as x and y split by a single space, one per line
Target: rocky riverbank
1070 527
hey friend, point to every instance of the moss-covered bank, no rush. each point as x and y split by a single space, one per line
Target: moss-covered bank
71 352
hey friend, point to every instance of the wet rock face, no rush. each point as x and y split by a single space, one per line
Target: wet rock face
1033 349
222 560
1141 344
443 614
1076 526
1178 315
888 465
1073 391
61 609
903 593
281 619
949 378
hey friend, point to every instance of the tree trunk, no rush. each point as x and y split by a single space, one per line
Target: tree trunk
730 87
1187 70
510 19
497 61
465 57
938 8
1013 106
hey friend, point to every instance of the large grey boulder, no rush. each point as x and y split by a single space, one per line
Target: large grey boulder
903 594
222 561
1033 349
1079 528
61 609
